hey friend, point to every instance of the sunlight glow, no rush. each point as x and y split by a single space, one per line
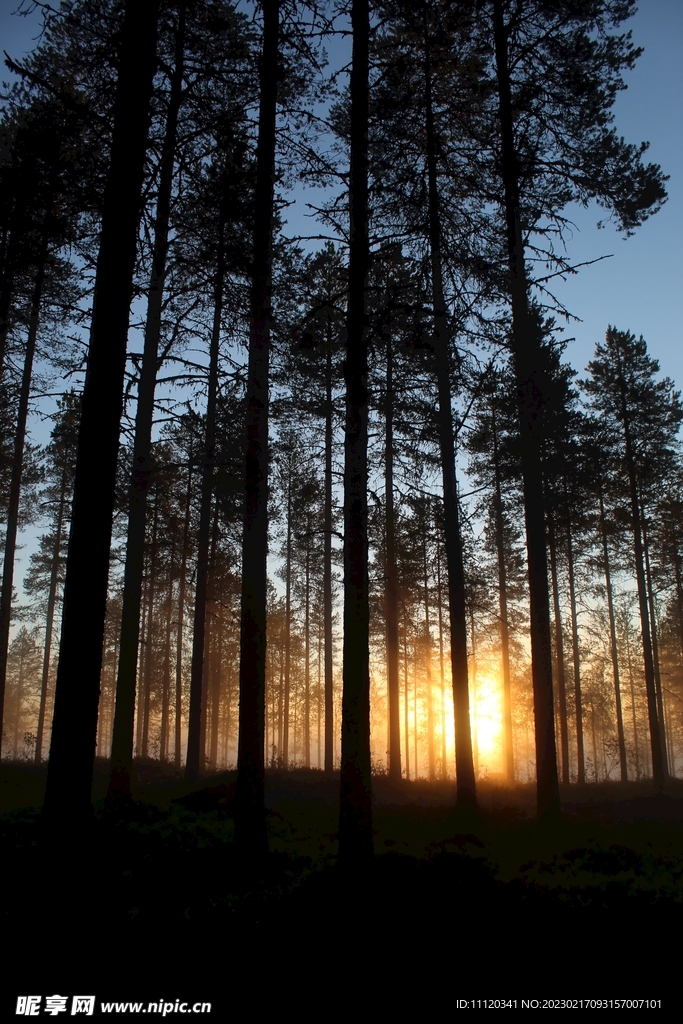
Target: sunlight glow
487 722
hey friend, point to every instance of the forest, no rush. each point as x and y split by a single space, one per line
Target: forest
346 599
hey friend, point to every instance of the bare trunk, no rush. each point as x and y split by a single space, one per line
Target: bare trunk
307 658
559 655
166 677
464 764
406 698
143 659
390 577
51 603
503 609
580 762
431 753
634 718
679 595
181 618
475 733
124 714
529 403
613 645
288 622
195 751
17 468
250 825
355 814
209 646
655 637
442 676
216 693
17 713
149 658
658 755
74 727
327 570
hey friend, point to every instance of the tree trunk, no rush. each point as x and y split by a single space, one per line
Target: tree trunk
216 692
580 760
195 751
149 657
658 756
307 656
5 306
679 594
288 621
280 706
475 733
78 678
559 654
17 468
166 678
228 718
439 597
143 659
406 697
431 753
415 734
8 270
655 638
17 714
634 718
390 580
327 570
613 644
250 826
503 608
319 702
355 815
124 714
51 603
209 646
529 402
181 617
464 764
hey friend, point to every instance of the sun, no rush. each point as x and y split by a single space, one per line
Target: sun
487 721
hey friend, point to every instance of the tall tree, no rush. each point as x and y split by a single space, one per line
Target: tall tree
47 566
122 740
250 831
78 677
555 76
355 813
454 558
644 414
42 162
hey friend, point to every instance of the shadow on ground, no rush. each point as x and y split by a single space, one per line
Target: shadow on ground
154 893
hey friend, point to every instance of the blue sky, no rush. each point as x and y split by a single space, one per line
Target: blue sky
640 288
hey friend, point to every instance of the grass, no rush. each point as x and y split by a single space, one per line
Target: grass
568 906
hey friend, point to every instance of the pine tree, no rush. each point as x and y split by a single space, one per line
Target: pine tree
555 76
77 691
644 415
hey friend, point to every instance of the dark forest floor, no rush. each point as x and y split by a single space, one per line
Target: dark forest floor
154 900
